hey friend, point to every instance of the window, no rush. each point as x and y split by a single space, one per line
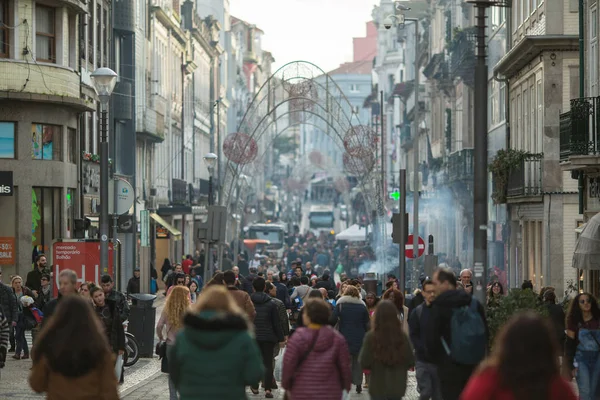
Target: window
46 213
540 118
593 53
4 31
72 145
89 129
71 210
46 142
7 140
45 34
354 87
502 102
98 34
105 36
90 33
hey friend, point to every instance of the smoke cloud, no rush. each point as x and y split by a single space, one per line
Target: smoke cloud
438 216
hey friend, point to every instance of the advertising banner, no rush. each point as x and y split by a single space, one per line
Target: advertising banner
7 250
83 257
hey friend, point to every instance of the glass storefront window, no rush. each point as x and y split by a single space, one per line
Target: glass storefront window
7 140
46 142
46 212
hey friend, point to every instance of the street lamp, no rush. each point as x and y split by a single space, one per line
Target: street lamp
211 161
104 80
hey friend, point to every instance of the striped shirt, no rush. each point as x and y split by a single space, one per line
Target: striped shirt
4 331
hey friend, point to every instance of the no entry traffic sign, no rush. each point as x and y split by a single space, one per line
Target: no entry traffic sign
408 248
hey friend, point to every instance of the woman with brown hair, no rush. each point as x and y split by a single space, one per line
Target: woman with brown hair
72 357
396 297
582 346
523 365
171 321
215 352
387 354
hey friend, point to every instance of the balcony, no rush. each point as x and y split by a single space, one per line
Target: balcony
526 179
462 55
460 166
580 133
48 83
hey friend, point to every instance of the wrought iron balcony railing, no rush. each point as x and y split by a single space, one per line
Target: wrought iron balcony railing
462 55
580 128
460 165
526 179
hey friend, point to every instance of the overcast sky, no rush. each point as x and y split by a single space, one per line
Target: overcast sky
319 31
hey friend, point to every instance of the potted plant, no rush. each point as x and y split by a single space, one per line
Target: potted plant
505 162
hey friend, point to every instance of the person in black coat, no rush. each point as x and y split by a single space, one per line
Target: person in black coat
557 316
353 318
248 280
326 283
453 376
110 317
282 291
268 331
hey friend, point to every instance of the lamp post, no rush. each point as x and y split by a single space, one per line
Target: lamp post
104 80
210 160
244 182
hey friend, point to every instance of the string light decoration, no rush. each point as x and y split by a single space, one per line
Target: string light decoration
360 163
240 148
359 137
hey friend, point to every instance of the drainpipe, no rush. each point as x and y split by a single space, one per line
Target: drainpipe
580 179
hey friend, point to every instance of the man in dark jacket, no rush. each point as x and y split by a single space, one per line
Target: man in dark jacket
133 286
247 282
34 278
108 286
326 283
267 329
453 376
282 292
428 381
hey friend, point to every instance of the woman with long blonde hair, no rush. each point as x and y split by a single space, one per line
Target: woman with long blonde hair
215 350
171 321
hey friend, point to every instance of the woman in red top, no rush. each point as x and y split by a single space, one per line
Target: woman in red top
523 365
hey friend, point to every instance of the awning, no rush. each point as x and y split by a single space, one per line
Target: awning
176 234
580 228
587 248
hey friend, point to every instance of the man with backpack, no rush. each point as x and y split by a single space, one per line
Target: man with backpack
457 336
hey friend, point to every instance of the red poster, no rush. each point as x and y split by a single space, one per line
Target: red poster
81 256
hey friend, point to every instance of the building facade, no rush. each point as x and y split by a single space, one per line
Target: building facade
541 74
43 102
579 146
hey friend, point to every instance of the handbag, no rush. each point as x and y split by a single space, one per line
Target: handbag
161 349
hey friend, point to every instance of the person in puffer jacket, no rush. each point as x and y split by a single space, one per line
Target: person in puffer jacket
4 333
316 363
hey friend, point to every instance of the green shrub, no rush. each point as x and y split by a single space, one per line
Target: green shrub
507 306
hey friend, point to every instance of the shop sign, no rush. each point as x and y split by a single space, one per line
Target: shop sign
81 256
161 232
7 250
6 183
593 194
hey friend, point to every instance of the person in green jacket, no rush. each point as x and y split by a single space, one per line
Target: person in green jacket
215 356
387 353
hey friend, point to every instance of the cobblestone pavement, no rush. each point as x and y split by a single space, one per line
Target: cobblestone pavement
156 388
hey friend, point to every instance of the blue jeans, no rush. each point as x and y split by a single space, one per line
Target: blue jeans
20 340
588 372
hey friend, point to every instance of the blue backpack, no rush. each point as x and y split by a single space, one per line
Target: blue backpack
467 330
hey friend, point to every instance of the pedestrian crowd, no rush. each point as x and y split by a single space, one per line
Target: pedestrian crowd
316 333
